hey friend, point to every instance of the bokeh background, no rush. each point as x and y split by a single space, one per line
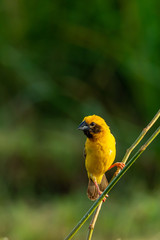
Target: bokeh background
60 61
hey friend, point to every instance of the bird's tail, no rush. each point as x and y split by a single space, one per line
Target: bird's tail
92 190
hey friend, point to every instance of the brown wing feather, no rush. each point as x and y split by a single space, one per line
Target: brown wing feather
92 191
104 183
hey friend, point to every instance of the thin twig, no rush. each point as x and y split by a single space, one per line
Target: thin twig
111 185
137 141
124 160
93 222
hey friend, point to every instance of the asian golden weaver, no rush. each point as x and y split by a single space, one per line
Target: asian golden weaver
99 152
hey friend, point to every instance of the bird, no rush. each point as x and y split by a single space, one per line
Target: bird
99 153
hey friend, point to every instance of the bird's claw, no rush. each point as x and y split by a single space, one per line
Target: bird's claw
121 165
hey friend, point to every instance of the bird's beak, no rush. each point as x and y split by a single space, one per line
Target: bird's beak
83 126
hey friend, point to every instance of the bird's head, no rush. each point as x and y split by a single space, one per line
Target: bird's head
93 126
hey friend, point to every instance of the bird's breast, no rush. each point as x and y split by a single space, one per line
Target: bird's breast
99 157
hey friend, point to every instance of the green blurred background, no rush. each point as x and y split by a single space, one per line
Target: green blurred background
60 61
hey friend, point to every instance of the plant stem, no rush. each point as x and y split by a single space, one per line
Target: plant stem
111 184
93 222
137 141
124 160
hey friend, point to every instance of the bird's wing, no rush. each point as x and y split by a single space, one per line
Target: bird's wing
104 183
92 191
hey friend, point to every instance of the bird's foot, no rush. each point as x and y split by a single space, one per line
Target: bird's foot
100 192
106 196
120 165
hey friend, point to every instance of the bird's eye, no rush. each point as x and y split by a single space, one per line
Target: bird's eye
92 124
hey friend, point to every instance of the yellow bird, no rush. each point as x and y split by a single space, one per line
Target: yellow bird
99 152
